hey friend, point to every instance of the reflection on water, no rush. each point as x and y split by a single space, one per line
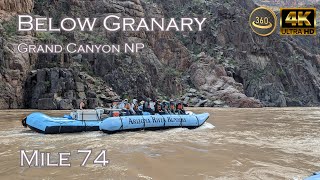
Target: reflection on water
233 144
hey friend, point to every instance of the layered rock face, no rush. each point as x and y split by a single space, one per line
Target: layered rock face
215 87
153 71
14 67
277 70
11 7
59 88
226 64
16 6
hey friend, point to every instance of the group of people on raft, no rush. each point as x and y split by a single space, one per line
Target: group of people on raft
160 107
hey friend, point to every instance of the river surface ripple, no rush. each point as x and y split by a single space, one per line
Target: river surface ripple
268 143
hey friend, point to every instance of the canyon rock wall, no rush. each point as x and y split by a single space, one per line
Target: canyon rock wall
277 70
14 67
226 64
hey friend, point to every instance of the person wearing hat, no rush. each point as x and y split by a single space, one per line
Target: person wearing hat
138 108
115 104
134 107
127 108
158 107
152 104
141 106
172 107
165 107
121 104
147 106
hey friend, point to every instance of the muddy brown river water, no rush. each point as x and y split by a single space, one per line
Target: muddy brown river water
270 143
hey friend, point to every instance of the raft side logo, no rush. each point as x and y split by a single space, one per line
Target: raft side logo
298 21
263 21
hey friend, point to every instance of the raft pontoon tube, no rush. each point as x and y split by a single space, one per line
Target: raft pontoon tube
77 121
152 122
315 176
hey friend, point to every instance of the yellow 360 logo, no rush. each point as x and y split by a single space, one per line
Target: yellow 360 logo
263 21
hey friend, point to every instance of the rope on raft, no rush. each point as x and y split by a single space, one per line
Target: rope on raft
164 120
144 123
180 121
84 122
198 120
121 128
60 129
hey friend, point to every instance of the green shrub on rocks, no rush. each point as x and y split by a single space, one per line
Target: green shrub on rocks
45 37
10 27
171 72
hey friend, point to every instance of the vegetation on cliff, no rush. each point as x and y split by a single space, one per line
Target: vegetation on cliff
226 64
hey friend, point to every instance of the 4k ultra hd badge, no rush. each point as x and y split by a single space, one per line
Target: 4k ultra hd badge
298 21
263 21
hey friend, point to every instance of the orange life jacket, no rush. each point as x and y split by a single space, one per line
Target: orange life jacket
115 114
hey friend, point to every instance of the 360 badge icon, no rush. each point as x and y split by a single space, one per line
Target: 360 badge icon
263 21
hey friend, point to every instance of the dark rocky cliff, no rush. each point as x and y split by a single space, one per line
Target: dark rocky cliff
277 70
225 64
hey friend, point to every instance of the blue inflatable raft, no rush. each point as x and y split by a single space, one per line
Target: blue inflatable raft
152 122
316 176
77 121
94 120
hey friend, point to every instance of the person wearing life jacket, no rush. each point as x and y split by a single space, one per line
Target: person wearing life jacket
172 107
158 107
135 107
115 104
126 107
121 104
180 109
152 105
147 107
141 105
165 107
